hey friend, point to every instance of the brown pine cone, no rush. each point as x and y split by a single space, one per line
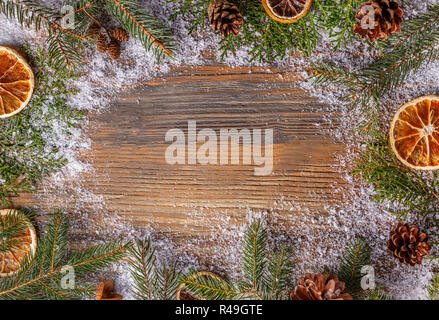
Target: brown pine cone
320 287
93 30
114 49
408 244
225 17
102 43
121 35
387 16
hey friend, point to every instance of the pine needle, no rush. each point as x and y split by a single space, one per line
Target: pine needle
154 36
41 276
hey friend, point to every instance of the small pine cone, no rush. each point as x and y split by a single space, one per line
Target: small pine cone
93 31
378 19
121 35
102 43
225 17
320 287
114 49
408 244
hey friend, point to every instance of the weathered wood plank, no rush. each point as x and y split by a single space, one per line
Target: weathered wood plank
129 149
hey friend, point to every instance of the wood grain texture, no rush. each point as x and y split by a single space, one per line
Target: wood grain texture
129 149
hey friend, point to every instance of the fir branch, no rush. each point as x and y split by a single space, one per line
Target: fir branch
41 276
265 276
26 156
151 281
404 54
395 182
205 286
154 35
376 294
357 255
254 259
278 275
433 287
272 40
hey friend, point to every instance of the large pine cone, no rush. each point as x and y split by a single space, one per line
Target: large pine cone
387 17
408 244
320 287
225 17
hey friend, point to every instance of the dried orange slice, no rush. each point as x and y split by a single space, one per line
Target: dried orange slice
414 133
16 82
26 242
287 11
183 294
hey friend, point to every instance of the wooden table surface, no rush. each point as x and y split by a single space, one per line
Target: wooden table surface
129 150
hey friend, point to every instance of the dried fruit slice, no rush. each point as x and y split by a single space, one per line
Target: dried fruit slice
414 133
184 294
287 11
24 242
16 82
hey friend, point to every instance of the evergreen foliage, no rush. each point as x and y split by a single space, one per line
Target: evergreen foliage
270 39
28 150
154 35
357 255
376 294
433 288
412 191
42 276
65 44
266 275
152 281
403 54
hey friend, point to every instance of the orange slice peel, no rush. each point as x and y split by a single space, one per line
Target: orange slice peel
16 82
11 260
414 133
287 11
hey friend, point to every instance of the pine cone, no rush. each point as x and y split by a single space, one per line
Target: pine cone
225 17
387 17
320 287
102 43
408 244
93 30
121 35
114 49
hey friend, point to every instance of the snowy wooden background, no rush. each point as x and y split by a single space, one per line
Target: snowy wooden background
129 149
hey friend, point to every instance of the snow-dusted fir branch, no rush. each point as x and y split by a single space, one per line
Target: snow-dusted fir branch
356 255
40 276
152 33
270 39
409 190
64 44
403 55
26 155
151 281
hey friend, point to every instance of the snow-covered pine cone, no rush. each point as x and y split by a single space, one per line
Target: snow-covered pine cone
320 287
378 19
225 17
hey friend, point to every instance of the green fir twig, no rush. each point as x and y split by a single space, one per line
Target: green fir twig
53 273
